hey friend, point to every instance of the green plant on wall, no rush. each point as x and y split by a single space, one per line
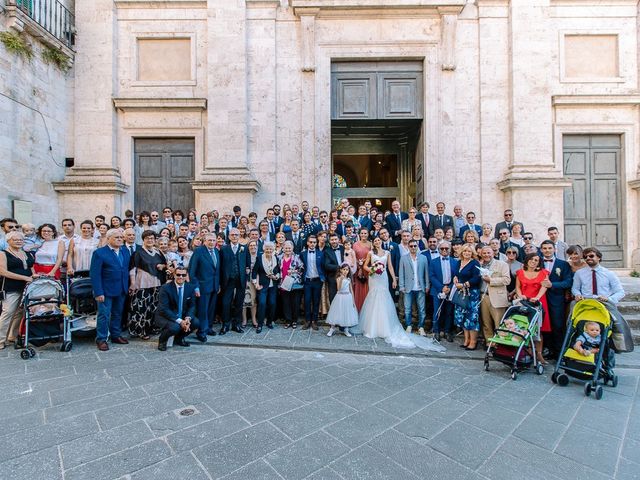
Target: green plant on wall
15 43
55 57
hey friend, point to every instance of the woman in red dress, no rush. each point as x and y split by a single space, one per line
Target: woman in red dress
361 248
529 287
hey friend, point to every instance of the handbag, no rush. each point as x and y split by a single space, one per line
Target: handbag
3 294
461 298
287 283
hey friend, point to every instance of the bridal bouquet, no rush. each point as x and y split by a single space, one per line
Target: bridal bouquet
377 268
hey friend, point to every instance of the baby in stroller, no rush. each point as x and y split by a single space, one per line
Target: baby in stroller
512 327
588 342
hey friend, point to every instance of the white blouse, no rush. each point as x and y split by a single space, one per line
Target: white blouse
47 254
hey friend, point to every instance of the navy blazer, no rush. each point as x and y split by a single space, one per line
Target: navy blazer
300 244
392 223
319 262
425 221
447 221
561 278
260 273
463 229
435 274
110 274
365 222
394 251
330 260
167 310
470 273
203 275
227 259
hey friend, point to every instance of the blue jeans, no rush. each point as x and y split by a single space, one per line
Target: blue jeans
419 297
109 319
267 304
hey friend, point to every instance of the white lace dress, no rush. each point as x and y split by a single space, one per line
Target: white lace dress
343 311
378 317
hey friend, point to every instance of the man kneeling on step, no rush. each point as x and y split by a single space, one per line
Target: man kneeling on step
176 310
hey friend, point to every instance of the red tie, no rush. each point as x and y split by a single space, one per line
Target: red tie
594 283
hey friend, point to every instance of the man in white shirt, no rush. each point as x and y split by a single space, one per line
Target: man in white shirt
414 283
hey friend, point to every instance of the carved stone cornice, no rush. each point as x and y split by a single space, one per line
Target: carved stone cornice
576 100
125 104
382 4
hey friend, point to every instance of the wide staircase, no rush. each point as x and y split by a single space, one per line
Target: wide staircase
629 307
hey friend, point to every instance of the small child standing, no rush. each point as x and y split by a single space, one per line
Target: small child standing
588 341
342 312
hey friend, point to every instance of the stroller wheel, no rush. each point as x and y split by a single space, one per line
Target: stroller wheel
598 392
539 369
614 381
563 379
554 377
24 354
587 389
32 352
68 347
514 375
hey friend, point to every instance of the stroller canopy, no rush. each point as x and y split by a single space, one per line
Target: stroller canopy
590 310
43 288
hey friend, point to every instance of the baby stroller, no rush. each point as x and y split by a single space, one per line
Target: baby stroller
44 315
513 343
83 309
593 368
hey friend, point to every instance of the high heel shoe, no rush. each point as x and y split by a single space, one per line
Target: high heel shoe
469 348
462 345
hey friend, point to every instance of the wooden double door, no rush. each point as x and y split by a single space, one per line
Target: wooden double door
164 172
593 203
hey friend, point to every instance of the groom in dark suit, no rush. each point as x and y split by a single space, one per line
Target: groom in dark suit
313 279
332 258
235 262
204 273
176 313
560 280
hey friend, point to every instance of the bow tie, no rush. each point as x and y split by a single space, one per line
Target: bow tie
445 259
312 251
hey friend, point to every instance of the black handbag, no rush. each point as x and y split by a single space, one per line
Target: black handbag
461 298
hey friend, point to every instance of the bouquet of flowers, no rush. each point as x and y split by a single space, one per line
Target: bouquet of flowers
377 268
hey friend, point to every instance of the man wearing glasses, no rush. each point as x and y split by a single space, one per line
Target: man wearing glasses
176 310
414 283
596 281
470 225
441 273
507 244
6 225
508 222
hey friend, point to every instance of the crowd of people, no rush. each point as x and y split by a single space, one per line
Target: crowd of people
352 267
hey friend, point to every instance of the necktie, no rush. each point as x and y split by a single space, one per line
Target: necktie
295 238
399 219
180 302
508 225
386 245
441 221
213 257
271 227
235 249
131 249
594 283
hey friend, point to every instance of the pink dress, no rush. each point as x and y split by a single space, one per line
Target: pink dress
360 289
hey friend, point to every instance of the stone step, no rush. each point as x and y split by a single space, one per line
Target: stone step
636 336
629 308
633 321
632 297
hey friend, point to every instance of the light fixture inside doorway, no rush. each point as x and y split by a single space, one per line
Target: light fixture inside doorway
378 202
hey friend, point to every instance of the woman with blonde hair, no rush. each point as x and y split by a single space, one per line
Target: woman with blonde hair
487 233
468 281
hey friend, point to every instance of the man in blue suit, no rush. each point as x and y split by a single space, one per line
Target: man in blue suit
363 219
176 312
560 280
394 220
110 280
441 273
312 259
470 225
394 251
204 273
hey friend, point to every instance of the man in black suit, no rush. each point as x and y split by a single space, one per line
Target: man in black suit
277 218
560 280
508 222
332 259
234 259
313 279
394 221
204 272
425 217
394 250
176 310
273 226
440 220
363 219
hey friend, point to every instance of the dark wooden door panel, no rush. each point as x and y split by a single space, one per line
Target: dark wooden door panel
164 170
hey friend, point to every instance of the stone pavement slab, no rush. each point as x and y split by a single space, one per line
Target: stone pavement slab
213 411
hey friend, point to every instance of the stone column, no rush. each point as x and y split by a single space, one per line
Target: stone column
94 185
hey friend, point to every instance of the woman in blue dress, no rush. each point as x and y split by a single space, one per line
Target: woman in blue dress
469 278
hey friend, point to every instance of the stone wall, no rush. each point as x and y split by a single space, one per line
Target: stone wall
27 165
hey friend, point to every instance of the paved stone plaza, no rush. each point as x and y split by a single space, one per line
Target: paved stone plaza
263 413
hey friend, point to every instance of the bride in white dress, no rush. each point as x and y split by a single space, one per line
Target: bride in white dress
378 317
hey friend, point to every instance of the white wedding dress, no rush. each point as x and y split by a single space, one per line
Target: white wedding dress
378 317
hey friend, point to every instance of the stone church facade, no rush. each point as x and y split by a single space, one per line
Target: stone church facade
489 104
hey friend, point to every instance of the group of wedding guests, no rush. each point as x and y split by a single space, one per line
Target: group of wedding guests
177 274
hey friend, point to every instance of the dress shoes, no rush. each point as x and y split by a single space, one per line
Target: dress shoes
306 326
120 341
314 326
258 329
181 343
211 332
270 326
237 329
223 331
450 337
102 346
201 338
162 346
